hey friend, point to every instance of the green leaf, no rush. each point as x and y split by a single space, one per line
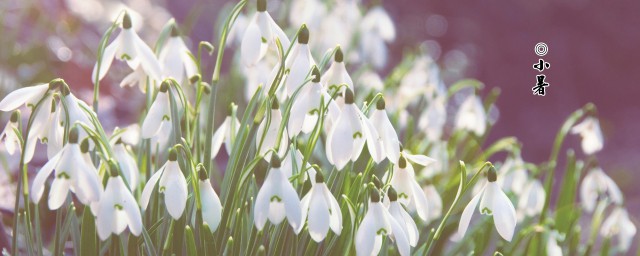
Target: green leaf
191 242
88 245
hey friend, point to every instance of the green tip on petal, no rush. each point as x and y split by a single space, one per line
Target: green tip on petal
338 57
492 175
202 172
262 5
126 21
84 146
375 196
319 177
275 161
402 162
380 105
15 116
174 31
274 103
173 155
316 74
303 35
348 96
73 135
164 87
393 195
377 182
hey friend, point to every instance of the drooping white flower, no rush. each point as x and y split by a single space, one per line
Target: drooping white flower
159 114
267 136
172 184
471 116
418 159
117 210
341 23
595 184
377 222
307 12
9 136
376 29
293 161
513 175
46 127
432 120
299 62
306 107
553 249
493 201
591 134
403 218
409 191
211 206
128 164
128 46
176 59
322 209
337 74
260 35
531 200
277 199
72 173
620 226
434 202
227 130
386 132
28 96
349 134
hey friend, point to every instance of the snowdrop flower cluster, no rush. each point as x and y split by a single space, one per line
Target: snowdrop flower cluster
304 147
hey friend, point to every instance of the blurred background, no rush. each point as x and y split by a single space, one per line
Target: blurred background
593 52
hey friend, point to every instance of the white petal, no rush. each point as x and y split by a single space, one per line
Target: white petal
387 133
284 40
106 211
465 218
171 59
504 215
158 111
37 187
589 192
58 192
252 49
218 138
300 66
175 190
87 184
336 214
263 200
374 144
402 242
211 206
367 241
420 201
291 203
21 96
319 216
148 59
148 188
129 206
107 58
340 142
419 159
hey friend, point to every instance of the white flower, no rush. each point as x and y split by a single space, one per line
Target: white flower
403 218
211 206
299 62
172 184
494 202
471 116
376 29
618 224
596 183
277 199
322 209
370 81
432 120
9 136
591 134
28 96
309 12
159 114
293 161
46 126
409 191
306 106
128 165
434 202
386 132
349 134
260 34
267 136
227 130
417 158
531 200
337 74
377 222
176 59
117 209
128 46
513 175
72 172
341 23
552 244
